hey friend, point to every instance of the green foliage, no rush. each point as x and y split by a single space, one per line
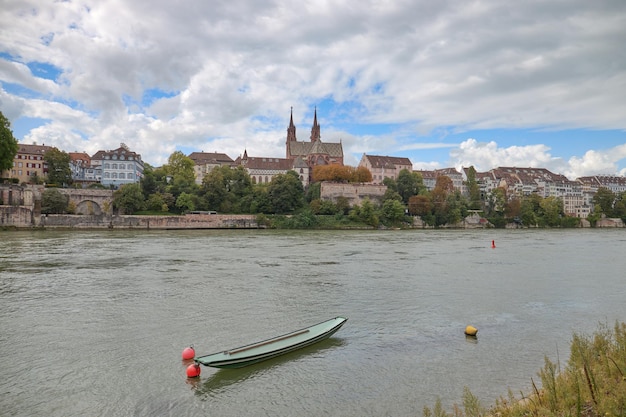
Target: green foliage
286 193
473 189
185 202
604 199
365 213
59 171
53 201
392 213
128 198
8 144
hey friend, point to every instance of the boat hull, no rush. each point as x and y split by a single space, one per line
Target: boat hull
271 348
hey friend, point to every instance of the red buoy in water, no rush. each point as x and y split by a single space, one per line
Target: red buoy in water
193 370
493 244
188 353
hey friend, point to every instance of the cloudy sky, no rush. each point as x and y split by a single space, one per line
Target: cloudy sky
535 83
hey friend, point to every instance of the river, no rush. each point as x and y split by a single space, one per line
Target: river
93 323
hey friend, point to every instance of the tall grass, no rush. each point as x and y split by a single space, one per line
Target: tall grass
593 384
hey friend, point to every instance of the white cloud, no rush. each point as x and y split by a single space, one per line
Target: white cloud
233 70
487 155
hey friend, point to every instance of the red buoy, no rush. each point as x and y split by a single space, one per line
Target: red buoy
193 370
493 244
188 353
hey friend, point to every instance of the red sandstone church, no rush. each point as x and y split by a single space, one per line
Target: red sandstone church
301 156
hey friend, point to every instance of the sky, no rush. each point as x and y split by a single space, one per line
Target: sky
488 83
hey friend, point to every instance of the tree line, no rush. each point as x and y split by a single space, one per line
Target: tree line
172 188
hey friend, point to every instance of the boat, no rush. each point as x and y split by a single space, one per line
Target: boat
270 348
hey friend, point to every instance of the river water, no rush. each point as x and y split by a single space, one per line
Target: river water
94 323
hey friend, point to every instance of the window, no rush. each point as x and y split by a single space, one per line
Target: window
122 166
122 176
114 166
107 175
107 166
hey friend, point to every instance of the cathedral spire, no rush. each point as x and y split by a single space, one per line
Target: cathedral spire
291 133
315 130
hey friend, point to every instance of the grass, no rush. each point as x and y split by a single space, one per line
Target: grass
593 384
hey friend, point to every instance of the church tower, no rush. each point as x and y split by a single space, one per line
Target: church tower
315 130
291 132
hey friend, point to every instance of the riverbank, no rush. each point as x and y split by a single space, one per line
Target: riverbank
592 384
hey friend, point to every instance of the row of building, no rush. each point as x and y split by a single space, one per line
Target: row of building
122 166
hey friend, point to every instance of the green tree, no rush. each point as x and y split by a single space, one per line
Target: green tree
8 144
367 213
552 211
59 171
185 203
473 189
286 193
156 202
129 198
408 184
179 166
214 188
53 201
605 198
392 212
439 197
529 209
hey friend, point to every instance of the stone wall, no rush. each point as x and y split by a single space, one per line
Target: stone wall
193 221
355 193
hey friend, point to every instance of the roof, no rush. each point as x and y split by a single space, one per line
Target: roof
272 164
387 161
122 150
33 149
317 147
202 158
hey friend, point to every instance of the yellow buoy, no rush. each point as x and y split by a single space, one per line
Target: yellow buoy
471 331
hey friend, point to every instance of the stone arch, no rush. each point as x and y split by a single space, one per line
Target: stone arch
88 207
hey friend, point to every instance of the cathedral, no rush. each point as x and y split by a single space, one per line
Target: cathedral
301 156
313 152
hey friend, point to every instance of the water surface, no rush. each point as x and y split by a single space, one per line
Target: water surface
94 323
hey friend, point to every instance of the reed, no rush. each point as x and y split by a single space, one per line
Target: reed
593 383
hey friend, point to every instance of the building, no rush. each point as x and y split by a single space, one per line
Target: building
118 167
383 167
263 169
521 182
29 162
206 161
314 152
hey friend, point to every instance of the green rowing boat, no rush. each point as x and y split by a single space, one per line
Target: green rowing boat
270 348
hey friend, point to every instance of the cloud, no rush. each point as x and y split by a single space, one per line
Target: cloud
487 155
231 70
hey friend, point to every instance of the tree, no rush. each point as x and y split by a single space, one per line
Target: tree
393 212
443 187
605 198
286 193
179 166
552 210
408 184
214 188
8 144
420 205
333 172
59 171
53 201
473 188
361 174
128 198
184 202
